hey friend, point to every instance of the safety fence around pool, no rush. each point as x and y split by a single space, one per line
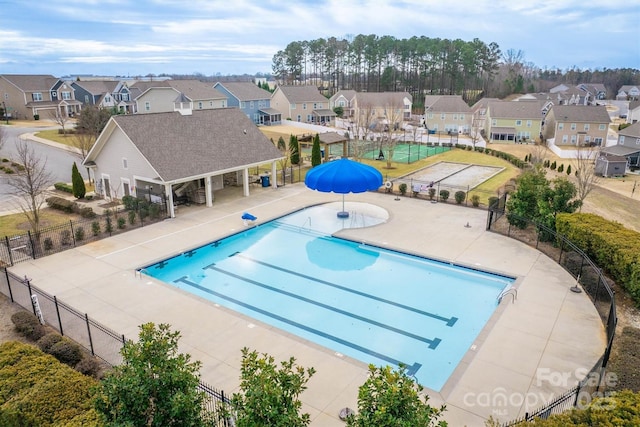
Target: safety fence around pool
592 281
97 339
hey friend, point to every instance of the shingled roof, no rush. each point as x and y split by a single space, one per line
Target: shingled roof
31 82
300 94
527 110
580 113
446 104
245 91
182 146
98 87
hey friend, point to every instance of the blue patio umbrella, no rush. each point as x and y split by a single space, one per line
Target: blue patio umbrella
343 176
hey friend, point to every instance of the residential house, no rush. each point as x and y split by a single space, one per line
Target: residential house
633 115
628 146
30 96
344 99
608 165
302 104
180 153
514 121
173 95
576 125
253 101
596 91
628 92
447 113
105 94
385 106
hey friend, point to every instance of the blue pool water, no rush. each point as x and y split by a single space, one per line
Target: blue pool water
375 305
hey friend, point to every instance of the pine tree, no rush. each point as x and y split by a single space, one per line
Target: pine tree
316 157
294 148
79 189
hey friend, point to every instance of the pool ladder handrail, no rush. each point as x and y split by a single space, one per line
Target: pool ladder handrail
510 291
308 220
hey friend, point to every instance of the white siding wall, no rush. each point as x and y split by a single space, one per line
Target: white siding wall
160 99
110 162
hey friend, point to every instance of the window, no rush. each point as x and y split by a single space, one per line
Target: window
518 122
66 95
315 106
200 105
86 99
586 126
598 141
528 123
243 104
107 98
124 96
637 141
443 116
560 126
36 96
494 122
455 116
573 139
621 140
431 115
304 106
224 103
251 106
573 126
147 106
602 127
124 163
293 107
462 117
341 103
565 138
211 104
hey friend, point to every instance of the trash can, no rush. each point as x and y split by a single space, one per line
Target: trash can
265 180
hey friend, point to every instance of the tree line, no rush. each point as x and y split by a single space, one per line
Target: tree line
422 65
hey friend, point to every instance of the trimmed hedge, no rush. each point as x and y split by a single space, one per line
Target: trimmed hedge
28 325
69 206
63 186
37 390
610 245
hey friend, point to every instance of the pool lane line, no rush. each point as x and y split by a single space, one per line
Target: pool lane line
411 369
448 321
433 343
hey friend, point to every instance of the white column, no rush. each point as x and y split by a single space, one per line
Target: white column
245 182
207 191
274 175
169 195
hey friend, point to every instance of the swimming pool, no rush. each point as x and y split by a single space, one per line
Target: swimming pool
372 304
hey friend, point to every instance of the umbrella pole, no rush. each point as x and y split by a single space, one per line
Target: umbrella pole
344 214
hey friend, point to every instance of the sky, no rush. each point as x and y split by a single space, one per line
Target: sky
212 37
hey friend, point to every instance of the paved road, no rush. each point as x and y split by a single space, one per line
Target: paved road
58 162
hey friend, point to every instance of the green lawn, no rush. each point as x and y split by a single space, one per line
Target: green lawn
53 135
11 225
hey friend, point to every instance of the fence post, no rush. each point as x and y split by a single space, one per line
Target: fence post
561 250
86 318
73 235
33 306
33 248
55 301
6 274
9 250
575 402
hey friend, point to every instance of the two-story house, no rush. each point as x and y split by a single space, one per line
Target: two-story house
447 113
344 99
628 92
628 146
576 125
514 121
253 101
302 104
113 94
177 95
27 96
394 106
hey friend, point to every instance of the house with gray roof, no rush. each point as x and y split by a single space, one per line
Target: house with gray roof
628 92
174 95
447 113
344 98
31 96
302 104
628 146
633 115
178 154
576 125
514 121
105 94
252 100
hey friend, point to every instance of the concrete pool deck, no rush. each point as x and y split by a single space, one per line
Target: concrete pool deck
531 348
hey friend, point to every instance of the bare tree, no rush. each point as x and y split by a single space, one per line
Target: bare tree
476 126
585 174
61 118
393 114
537 154
82 142
31 183
363 121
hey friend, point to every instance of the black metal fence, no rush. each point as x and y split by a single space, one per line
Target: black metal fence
97 339
574 260
58 238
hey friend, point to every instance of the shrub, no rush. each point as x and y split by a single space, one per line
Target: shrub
444 195
403 188
553 165
108 224
132 217
95 228
60 204
48 244
475 200
460 196
569 170
154 211
79 233
130 202
88 366
28 325
65 237
493 202
122 223
432 193
561 168
46 342
66 351
63 186
79 189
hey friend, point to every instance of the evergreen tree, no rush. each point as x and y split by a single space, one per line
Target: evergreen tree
79 189
316 157
294 148
569 170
